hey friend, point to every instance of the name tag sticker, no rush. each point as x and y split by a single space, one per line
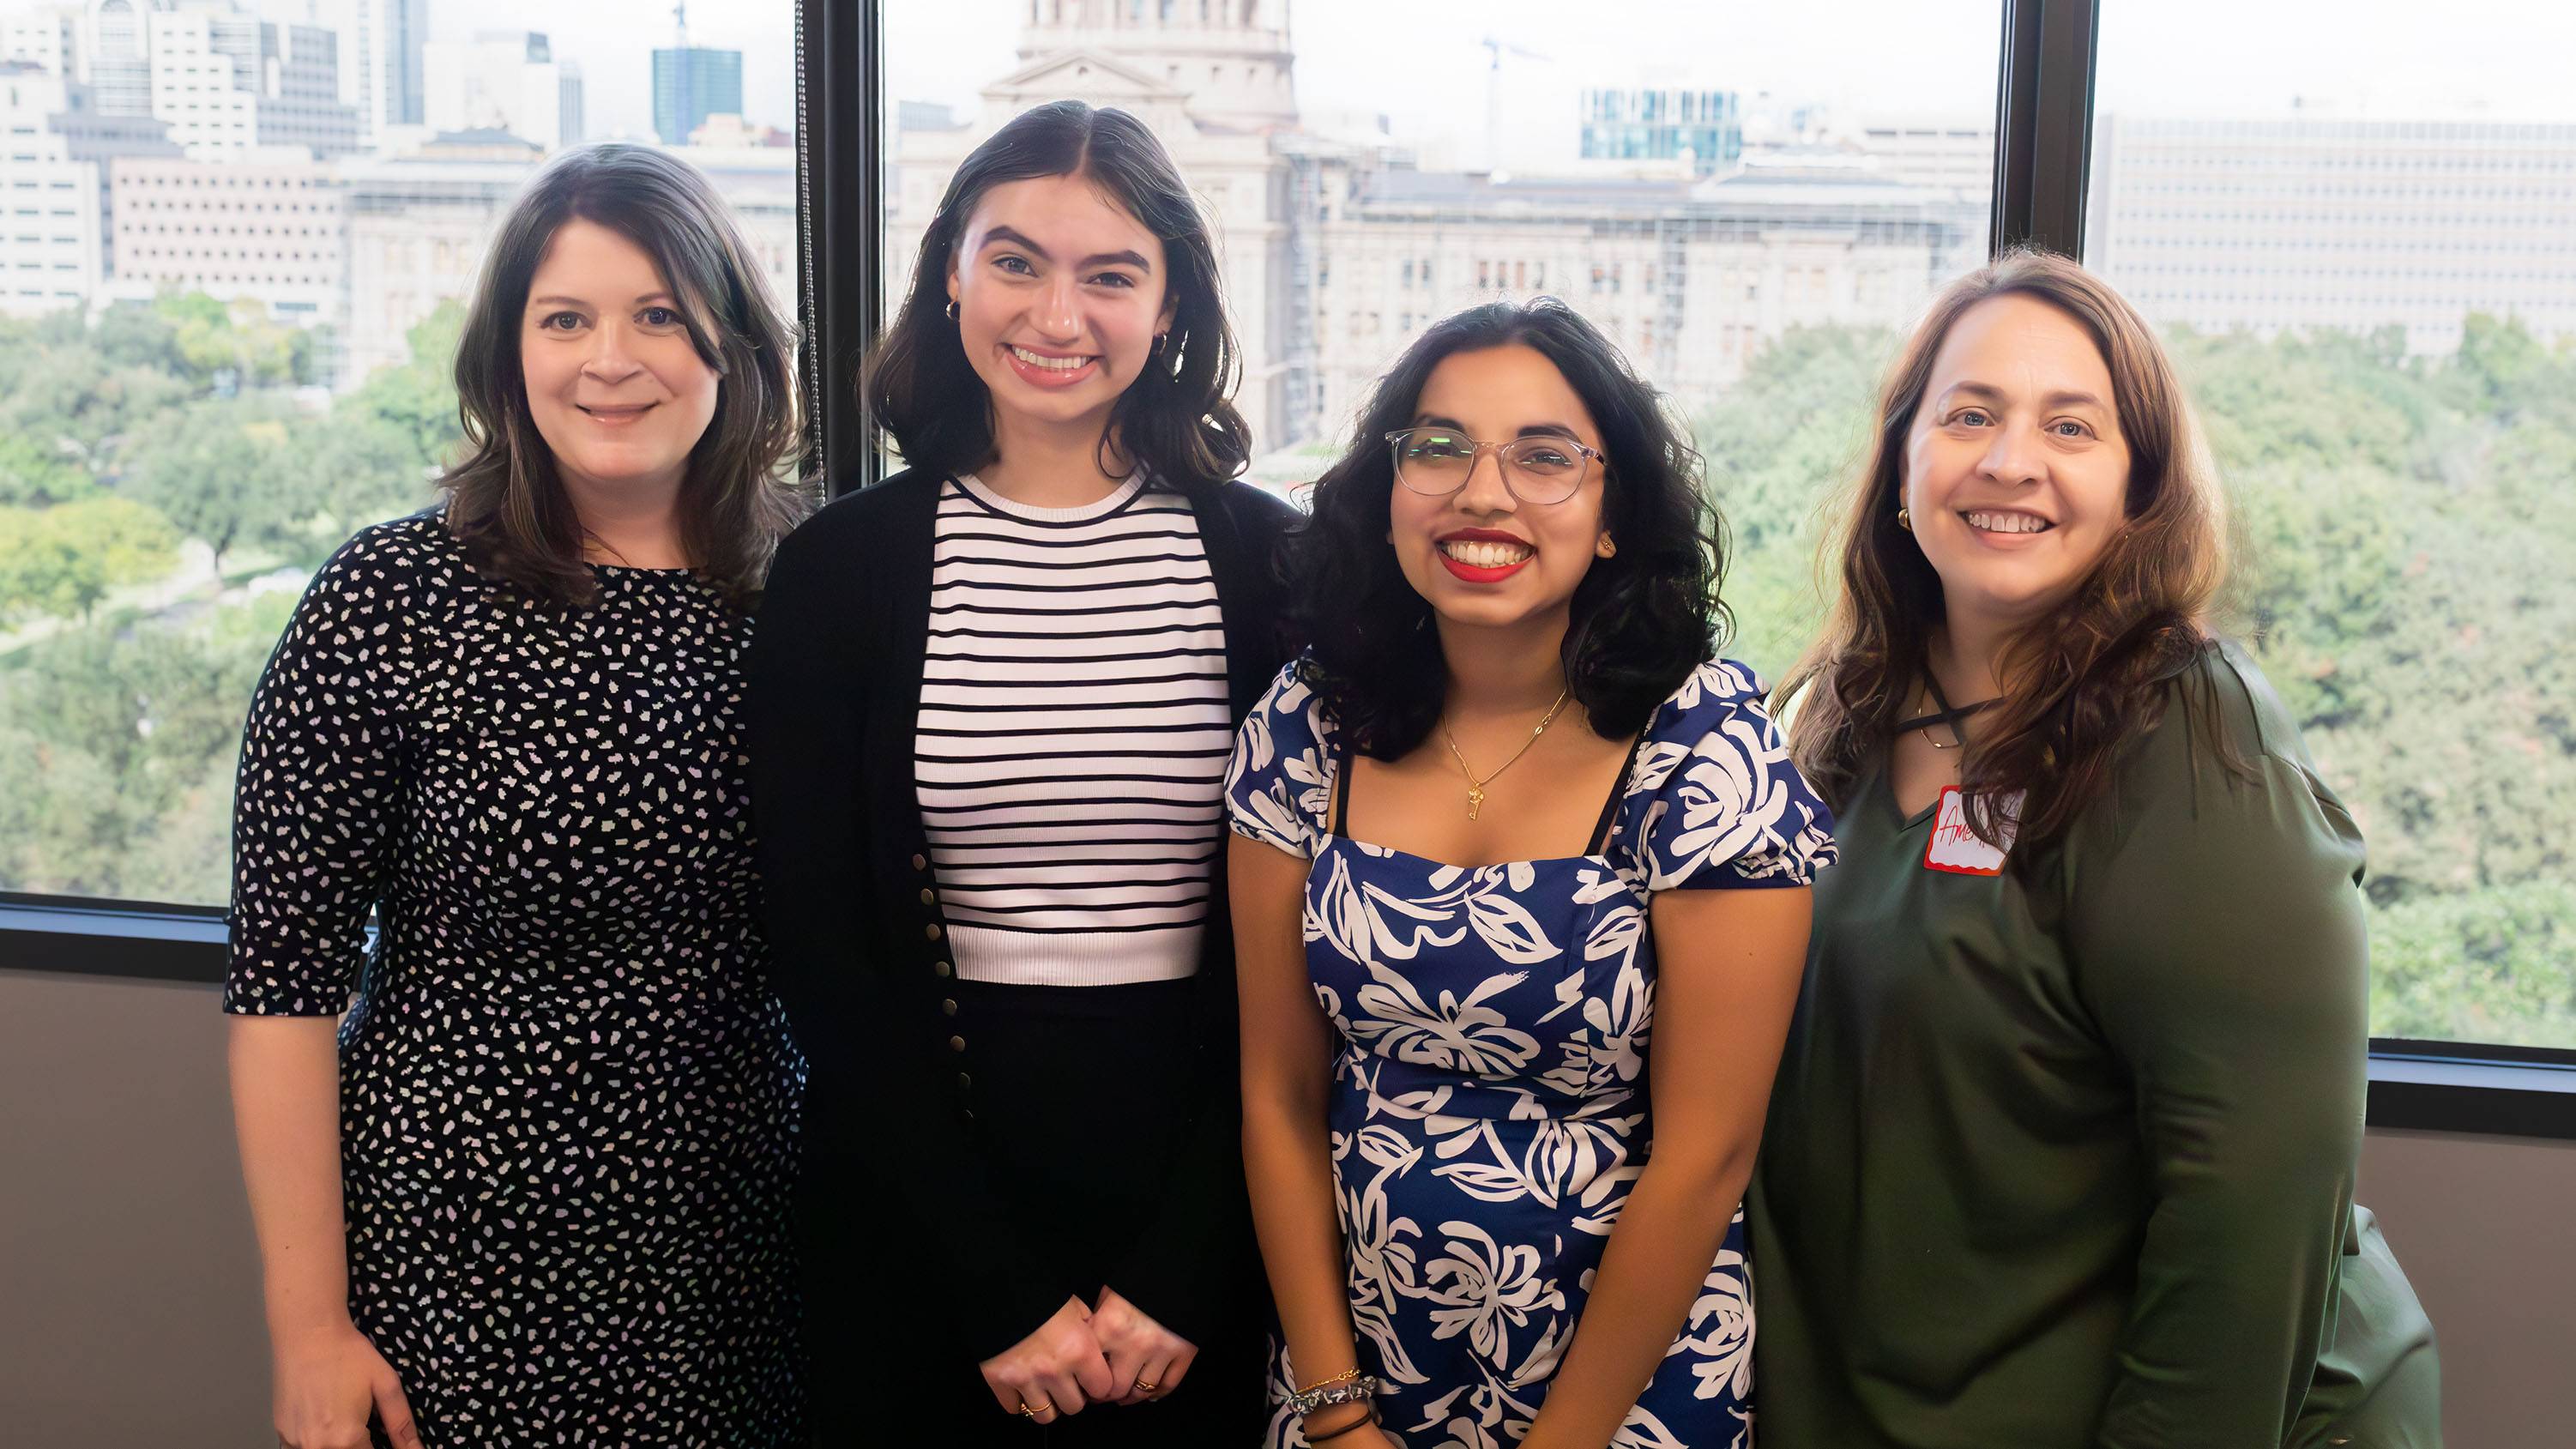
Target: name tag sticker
1954 847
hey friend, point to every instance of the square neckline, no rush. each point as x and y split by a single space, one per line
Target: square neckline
1337 819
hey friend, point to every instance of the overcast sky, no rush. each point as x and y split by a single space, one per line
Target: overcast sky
1421 61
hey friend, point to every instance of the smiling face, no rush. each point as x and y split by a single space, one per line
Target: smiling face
617 389
2016 473
1059 294
1482 557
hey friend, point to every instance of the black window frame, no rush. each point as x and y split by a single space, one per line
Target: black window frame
2043 142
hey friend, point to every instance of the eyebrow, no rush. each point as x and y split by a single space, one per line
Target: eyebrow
1528 430
2061 399
581 302
1006 235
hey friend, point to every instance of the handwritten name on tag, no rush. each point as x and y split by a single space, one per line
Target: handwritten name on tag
1955 848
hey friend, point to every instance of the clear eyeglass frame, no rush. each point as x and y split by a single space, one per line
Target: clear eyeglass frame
1509 453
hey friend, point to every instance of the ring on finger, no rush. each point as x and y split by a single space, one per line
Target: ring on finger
1031 1411
1146 1386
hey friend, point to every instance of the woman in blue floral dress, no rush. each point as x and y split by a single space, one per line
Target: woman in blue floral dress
1502 821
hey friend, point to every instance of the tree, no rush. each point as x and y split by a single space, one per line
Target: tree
221 472
63 560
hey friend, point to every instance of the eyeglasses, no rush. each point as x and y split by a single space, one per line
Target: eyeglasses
1435 462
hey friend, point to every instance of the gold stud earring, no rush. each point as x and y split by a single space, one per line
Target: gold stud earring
1905 520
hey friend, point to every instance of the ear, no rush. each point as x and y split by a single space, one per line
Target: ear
1171 309
1605 546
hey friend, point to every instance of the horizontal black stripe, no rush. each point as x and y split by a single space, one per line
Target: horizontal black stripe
1148 800
1195 676
940 563
1017 756
970 505
1172 628
961 535
1102 930
1087 708
1084 861
1146 892
1119 777
1122 841
1053 658
1094 586
1065 731
1085 907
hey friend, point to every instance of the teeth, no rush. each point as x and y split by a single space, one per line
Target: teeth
1051 364
1477 553
2008 523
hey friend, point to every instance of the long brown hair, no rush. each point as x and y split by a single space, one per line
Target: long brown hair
504 500
2092 673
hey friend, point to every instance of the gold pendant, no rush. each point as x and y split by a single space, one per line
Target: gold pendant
1475 801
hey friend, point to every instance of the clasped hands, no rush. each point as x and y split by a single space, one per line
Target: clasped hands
1112 1354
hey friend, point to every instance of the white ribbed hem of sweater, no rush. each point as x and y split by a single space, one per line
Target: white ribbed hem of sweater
1075 958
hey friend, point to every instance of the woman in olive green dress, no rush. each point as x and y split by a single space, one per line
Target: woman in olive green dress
2062 1147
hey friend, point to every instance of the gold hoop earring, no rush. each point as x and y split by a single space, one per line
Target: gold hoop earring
1905 520
952 309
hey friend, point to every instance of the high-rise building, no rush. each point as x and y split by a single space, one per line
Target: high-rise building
1706 128
503 80
382 55
2307 222
57 200
115 54
46 37
226 81
265 227
690 85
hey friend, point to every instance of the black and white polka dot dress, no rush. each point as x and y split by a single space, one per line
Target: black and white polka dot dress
568 1098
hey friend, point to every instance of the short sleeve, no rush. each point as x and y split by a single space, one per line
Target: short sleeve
1713 800
318 797
1279 785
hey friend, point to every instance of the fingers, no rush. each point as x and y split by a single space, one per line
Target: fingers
1179 1369
1091 1374
1064 1391
395 1411
1153 1377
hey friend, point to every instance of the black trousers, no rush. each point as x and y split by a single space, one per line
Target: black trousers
1081 1096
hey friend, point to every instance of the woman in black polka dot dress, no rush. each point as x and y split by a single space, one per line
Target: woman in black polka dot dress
536 1192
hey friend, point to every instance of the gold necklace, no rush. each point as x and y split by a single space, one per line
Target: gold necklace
1476 787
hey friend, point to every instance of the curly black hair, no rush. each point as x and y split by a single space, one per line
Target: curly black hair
1642 619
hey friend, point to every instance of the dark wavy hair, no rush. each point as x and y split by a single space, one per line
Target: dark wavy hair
2092 674
504 500
1642 618
1178 418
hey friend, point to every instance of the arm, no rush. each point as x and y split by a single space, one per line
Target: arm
1727 981
1287 1149
316 803
808 702
2221 947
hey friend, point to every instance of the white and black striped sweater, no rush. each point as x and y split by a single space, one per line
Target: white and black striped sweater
1073 735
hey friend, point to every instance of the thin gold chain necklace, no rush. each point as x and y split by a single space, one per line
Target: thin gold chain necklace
1476 787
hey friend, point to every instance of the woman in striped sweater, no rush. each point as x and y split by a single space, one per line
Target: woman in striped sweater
992 698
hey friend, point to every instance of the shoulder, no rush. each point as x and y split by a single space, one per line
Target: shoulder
2219 696
1256 510
1713 693
864 512
386 564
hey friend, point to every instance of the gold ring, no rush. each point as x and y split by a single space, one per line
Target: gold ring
1032 1413
1143 1387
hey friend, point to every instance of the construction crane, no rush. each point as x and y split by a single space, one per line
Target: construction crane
1495 50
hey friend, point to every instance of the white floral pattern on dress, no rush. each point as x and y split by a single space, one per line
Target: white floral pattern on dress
1492 1026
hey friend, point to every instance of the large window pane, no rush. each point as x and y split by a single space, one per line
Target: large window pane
1748 198
229 296
2357 224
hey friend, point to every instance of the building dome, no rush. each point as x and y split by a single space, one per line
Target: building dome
1230 57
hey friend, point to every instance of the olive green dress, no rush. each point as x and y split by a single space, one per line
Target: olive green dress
2069 1160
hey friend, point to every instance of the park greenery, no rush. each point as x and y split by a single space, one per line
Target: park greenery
169 475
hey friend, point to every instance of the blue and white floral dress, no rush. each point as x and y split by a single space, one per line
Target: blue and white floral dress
1489 1084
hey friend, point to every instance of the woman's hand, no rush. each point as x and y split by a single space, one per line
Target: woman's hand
1054 1371
327 1381
1146 1360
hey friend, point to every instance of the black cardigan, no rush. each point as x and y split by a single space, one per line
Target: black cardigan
856 935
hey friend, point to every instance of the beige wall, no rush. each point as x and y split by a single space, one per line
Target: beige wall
129 1311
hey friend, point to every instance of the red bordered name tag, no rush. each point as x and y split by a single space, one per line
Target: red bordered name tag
1954 847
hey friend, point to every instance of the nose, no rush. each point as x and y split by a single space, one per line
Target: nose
1485 494
2015 456
612 357
1057 314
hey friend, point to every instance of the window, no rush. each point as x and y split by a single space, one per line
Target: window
2373 309
162 503
1511 204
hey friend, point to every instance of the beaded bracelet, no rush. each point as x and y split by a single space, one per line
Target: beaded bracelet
1307 1401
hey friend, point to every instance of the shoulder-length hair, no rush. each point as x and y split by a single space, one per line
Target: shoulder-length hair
1177 419
2092 673
1642 618
505 501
